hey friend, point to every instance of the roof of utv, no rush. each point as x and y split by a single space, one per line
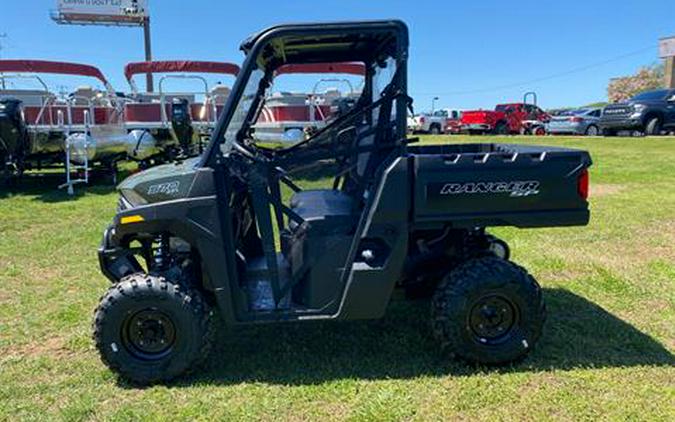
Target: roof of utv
341 41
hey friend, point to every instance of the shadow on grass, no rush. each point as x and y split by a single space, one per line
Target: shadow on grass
579 334
44 186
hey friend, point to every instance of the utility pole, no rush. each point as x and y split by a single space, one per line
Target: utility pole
149 83
2 35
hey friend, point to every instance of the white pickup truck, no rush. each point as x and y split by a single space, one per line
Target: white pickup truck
436 123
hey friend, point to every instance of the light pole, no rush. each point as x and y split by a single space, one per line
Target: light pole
433 104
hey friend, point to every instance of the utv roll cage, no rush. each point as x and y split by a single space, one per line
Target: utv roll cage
373 44
365 42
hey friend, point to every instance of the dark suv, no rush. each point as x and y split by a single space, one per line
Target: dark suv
649 112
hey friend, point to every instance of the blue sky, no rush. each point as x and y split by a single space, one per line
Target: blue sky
460 50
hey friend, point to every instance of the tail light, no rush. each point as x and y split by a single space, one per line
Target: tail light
583 183
576 120
422 120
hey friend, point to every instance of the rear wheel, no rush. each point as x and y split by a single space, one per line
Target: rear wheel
489 311
150 330
592 130
653 127
435 129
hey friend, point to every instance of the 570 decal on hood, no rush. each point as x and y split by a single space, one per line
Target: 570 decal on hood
515 188
168 188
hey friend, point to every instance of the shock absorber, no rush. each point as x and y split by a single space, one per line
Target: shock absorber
162 256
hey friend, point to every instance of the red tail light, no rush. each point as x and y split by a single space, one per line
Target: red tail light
583 184
576 120
422 120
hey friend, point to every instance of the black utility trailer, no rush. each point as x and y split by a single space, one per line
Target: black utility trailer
216 232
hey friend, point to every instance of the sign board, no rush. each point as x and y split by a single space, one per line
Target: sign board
667 47
101 12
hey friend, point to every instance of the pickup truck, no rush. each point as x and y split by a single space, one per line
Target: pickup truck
435 123
506 119
650 112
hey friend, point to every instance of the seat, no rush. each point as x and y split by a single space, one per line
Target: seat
333 208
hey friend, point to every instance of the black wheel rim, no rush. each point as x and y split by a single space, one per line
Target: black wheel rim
493 319
149 334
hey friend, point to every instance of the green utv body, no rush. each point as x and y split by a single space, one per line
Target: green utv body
202 235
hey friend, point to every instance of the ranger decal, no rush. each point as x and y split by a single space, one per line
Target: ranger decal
515 189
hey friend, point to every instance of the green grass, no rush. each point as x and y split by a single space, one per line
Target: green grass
607 351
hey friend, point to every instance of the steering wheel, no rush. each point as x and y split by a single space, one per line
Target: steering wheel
248 153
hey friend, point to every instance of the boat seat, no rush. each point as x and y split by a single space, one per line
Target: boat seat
332 208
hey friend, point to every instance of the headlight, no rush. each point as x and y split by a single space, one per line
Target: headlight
639 108
132 198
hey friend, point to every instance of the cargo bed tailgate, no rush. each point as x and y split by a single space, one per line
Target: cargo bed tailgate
480 185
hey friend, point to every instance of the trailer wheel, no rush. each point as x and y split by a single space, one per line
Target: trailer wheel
150 330
488 311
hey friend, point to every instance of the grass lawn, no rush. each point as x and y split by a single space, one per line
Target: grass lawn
607 351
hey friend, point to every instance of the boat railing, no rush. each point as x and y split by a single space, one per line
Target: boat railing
163 95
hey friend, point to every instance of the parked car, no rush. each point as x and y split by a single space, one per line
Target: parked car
506 119
583 121
649 112
434 123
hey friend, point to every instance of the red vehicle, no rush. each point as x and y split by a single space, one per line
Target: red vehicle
506 119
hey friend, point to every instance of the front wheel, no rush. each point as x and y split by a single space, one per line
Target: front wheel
592 130
653 127
488 311
435 130
150 330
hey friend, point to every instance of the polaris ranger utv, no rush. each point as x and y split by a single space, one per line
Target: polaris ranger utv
217 232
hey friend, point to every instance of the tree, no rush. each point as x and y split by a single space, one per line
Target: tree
647 78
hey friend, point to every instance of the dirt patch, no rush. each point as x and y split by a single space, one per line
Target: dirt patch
604 189
52 347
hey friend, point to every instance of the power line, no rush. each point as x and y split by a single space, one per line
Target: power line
544 78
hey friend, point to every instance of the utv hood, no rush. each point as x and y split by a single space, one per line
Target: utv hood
165 183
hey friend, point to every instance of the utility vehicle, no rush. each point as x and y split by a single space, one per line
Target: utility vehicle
219 235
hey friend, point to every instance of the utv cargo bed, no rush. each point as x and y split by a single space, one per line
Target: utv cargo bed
482 185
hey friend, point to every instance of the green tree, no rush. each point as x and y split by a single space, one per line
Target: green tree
647 78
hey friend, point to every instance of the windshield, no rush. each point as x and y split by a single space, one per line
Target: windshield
242 110
577 112
651 95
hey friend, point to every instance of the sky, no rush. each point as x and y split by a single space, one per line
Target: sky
469 54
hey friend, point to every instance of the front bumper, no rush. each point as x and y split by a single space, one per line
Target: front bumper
116 262
630 123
